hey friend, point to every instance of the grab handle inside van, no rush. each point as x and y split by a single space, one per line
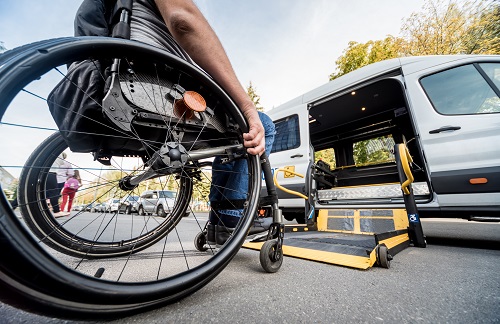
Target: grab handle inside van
275 178
406 159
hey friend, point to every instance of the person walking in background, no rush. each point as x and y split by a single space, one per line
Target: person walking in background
60 171
68 192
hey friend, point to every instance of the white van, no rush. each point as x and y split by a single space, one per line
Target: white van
340 136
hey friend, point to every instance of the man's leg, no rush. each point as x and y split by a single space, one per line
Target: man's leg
230 181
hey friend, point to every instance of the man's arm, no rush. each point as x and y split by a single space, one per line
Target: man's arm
193 32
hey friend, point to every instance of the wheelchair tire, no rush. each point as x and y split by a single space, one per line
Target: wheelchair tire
50 265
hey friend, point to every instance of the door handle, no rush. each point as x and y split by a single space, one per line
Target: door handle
296 156
444 129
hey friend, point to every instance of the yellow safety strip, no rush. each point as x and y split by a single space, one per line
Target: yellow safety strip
395 241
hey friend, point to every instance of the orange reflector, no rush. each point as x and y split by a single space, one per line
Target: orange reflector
192 101
195 101
478 181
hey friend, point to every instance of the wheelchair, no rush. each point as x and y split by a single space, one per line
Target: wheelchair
161 123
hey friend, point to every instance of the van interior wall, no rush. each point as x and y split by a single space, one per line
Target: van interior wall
374 110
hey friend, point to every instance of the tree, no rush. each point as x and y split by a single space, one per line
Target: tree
360 54
470 27
458 27
373 151
254 96
2 47
327 156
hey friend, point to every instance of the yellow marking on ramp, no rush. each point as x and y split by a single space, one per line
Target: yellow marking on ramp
395 241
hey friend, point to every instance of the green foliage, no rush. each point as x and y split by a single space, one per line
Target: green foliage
252 93
2 47
470 27
11 191
360 54
373 151
327 156
454 27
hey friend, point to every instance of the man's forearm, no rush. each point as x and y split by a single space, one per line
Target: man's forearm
190 28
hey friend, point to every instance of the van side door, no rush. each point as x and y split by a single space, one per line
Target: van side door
457 109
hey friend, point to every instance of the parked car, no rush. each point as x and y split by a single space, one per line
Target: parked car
77 207
88 207
129 204
160 202
97 208
112 205
102 208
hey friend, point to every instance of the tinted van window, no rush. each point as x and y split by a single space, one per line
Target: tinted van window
287 134
464 90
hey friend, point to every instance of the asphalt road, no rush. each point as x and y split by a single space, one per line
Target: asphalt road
454 280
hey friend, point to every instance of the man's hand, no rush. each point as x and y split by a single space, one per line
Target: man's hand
254 140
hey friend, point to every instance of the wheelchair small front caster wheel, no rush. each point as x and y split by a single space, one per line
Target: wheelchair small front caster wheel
200 242
383 256
270 258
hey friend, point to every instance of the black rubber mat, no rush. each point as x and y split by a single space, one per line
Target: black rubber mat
350 244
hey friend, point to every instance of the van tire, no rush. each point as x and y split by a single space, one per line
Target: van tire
140 211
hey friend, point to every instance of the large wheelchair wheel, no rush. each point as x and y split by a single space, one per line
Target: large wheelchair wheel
144 136
67 234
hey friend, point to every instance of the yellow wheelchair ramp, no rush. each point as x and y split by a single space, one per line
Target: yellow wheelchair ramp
334 244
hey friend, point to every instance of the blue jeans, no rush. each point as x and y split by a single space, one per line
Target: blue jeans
230 180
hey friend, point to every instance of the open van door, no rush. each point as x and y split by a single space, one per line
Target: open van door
291 150
458 118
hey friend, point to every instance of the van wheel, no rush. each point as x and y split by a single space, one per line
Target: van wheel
161 211
140 211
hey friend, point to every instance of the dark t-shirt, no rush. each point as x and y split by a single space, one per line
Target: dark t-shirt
93 18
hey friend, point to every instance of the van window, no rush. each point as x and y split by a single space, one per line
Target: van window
287 134
463 90
374 151
492 70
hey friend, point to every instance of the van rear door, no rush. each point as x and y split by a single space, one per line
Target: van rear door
457 109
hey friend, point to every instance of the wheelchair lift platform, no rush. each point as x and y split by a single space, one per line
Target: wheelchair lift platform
356 238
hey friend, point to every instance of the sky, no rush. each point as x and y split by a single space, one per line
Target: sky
284 47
